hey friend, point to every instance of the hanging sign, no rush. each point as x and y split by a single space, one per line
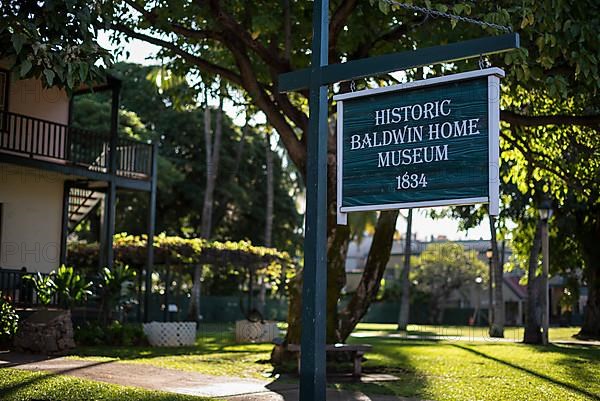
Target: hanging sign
426 143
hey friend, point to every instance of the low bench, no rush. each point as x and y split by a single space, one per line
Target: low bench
356 350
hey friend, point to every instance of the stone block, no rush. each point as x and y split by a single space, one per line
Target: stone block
47 331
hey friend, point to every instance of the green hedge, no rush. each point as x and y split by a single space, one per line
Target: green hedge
170 250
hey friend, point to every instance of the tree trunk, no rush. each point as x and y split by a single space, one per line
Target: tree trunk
591 318
212 150
270 193
434 310
497 329
490 295
194 311
221 211
378 257
262 292
405 278
294 319
533 327
337 250
212 166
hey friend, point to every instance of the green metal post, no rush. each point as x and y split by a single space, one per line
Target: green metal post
314 290
110 199
151 227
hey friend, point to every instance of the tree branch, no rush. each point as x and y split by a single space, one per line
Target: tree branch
542 161
338 20
149 15
234 28
198 61
296 150
152 17
293 113
510 117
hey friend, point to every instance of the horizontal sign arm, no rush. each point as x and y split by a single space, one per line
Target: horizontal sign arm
296 80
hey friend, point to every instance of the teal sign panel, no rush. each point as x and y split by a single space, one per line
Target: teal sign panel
426 143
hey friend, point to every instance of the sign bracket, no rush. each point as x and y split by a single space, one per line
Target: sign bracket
366 67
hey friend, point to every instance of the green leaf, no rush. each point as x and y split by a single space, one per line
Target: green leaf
384 7
49 74
83 71
18 40
458 8
70 81
25 67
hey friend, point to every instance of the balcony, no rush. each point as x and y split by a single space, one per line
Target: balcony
78 149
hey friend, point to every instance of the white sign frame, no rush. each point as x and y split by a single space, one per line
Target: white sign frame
493 199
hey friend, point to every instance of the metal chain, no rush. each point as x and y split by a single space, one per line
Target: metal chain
435 13
483 62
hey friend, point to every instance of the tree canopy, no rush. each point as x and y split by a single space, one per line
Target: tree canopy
443 269
149 113
550 96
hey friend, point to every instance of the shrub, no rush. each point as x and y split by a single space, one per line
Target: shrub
115 334
44 287
115 283
69 286
9 321
89 334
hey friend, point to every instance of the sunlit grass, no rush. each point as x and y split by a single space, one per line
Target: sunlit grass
512 333
483 371
428 369
19 385
215 353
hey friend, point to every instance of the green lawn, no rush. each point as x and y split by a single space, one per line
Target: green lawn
483 371
513 333
19 385
439 370
215 353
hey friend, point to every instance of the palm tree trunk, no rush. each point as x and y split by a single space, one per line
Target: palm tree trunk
212 150
270 193
262 294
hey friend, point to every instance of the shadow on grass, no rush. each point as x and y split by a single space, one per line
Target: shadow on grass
395 341
208 342
10 389
379 378
410 382
549 379
287 386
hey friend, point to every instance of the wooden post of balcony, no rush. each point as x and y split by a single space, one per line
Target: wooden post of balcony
65 223
68 132
151 223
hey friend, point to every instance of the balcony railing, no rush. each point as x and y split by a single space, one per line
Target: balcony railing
17 290
63 144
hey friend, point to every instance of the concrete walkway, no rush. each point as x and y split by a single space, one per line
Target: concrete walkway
175 381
